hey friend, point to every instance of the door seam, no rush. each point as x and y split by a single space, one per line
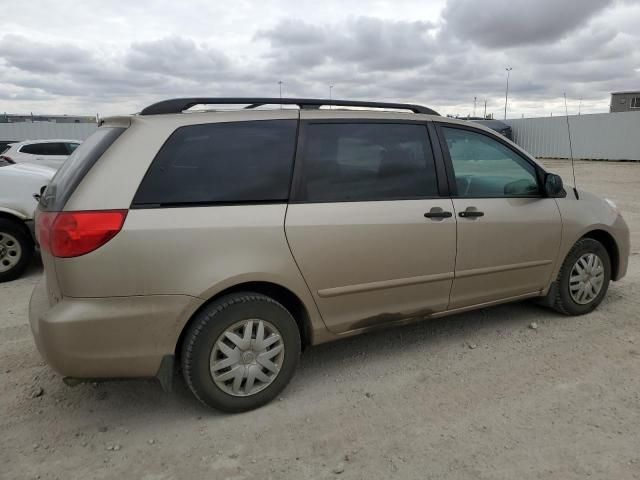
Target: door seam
293 257
455 256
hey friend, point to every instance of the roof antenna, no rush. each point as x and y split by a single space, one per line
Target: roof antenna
573 167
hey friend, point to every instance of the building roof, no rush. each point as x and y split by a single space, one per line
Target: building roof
626 93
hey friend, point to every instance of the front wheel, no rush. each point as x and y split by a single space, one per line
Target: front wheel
584 278
240 352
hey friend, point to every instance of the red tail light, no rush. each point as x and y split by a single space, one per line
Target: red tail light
7 159
71 234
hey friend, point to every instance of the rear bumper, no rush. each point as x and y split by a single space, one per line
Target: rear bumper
114 337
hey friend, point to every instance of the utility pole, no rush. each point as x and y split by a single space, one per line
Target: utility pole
485 109
506 93
330 93
280 86
474 106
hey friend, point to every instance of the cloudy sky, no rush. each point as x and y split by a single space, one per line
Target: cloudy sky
112 56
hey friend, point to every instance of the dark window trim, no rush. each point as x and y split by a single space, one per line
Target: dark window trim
453 186
294 195
146 206
151 206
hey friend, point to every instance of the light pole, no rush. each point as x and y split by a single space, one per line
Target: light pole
485 109
506 93
474 106
330 93
280 87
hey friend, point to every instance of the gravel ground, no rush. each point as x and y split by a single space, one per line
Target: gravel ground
477 395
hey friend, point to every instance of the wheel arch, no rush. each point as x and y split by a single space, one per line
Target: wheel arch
12 215
279 293
18 220
609 243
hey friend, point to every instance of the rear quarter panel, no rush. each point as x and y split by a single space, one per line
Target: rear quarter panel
194 251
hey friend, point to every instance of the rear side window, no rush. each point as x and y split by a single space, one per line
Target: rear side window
235 162
73 170
49 148
346 162
33 149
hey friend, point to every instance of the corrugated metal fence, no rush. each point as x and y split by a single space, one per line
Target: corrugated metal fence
45 130
600 136
607 136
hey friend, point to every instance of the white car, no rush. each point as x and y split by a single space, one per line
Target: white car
20 188
50 153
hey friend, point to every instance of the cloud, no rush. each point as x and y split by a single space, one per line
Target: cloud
370 44
442 59
177 57
509 23
41 58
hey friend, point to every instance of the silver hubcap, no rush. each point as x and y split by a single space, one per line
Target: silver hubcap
586 279
247 357
10 252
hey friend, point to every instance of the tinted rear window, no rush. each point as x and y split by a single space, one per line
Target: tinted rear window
48 148
69 176
236 162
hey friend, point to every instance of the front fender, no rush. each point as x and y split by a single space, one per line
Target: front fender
589 214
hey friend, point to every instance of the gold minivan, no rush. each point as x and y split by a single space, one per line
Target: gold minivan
224 242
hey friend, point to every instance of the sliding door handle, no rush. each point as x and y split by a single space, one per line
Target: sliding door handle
470 213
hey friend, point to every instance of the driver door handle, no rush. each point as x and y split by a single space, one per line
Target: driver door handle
438 215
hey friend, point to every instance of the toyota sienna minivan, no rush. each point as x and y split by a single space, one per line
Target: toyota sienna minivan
226 241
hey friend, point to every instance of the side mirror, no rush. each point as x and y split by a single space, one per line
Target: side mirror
553 186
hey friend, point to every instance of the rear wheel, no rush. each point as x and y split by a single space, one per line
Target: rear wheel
584 278
240 352
16 249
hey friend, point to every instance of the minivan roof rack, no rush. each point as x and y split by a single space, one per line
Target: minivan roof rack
178 105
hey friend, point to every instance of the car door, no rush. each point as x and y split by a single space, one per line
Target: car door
366 224
508 232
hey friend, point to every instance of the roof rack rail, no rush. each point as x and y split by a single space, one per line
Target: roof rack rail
178 105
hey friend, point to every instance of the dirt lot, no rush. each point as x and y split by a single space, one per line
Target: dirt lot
478 395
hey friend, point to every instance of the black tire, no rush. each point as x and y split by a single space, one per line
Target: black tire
18 231
564 303
210 323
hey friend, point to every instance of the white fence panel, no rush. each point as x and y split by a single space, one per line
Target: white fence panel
45 130
600 136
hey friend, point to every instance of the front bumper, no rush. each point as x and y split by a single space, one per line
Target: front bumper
113 337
